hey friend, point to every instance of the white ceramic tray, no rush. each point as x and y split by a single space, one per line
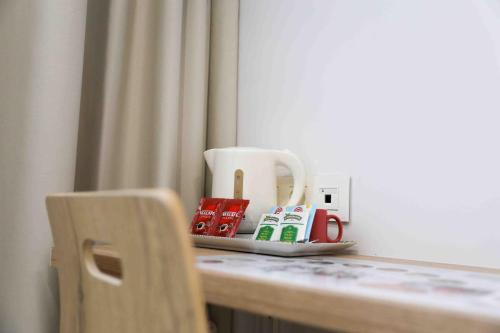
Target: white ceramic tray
266 247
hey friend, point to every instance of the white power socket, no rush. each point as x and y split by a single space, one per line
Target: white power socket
332 192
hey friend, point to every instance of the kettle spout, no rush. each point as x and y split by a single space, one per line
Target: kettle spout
210 158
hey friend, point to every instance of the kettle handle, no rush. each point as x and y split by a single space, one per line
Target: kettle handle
292 162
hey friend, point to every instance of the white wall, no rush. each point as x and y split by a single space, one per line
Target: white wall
404 96
41 60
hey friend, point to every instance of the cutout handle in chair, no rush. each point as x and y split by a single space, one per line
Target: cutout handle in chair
103 262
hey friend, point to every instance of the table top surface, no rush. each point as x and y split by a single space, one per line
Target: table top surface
355 293
351 292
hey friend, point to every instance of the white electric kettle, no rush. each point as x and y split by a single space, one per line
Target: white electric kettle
250 173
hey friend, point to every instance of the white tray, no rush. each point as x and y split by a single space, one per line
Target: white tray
266 247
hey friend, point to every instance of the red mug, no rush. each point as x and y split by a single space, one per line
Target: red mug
319 230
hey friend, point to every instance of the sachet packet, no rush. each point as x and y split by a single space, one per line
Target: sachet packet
229 218
206 215
297 223
269 225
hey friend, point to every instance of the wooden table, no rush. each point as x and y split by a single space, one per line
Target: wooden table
328 310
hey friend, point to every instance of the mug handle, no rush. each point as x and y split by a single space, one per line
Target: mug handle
339 225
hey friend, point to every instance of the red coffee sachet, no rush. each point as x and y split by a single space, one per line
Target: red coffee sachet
229 220
206 216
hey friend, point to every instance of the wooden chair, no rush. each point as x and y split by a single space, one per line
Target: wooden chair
158 290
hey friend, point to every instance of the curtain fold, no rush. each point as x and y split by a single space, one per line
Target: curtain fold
141 114
223 85
194 102
143 120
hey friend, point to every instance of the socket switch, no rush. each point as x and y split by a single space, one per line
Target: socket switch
332 192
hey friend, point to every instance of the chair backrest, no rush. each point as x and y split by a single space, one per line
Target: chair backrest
158 290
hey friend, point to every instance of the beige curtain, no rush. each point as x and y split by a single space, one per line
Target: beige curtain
144 111
41 57
151 87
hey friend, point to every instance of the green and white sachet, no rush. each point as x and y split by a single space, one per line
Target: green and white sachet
297 223
269 225
294 226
